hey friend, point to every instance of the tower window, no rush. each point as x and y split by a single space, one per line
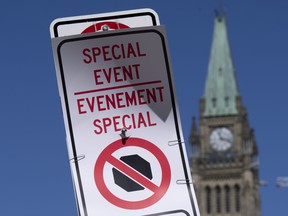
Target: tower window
220 71
218 199
226 101
214 100
208 200
237 198
227 199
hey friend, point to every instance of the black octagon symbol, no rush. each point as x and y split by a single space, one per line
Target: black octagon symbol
136 162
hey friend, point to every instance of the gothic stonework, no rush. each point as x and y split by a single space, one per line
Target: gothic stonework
224 153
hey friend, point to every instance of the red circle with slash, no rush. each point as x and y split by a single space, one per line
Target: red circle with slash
158 191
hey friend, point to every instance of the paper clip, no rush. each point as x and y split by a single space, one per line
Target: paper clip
77 158
175 142
184 181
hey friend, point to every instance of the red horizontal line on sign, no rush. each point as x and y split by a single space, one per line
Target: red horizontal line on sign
117 87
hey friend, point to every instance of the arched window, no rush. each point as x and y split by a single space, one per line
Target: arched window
227 199
237 198
208 199
218 199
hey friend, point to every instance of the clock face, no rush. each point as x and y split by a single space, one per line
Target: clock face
221 139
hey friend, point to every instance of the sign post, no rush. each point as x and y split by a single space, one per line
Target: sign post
122 124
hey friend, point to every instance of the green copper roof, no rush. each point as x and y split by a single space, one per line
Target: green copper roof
221 86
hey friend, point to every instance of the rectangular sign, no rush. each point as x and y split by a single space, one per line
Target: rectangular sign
98 22
122 123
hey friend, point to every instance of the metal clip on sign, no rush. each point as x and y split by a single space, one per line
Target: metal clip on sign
180 181
77 158
184 181
175 142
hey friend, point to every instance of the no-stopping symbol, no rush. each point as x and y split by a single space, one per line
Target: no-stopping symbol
158 191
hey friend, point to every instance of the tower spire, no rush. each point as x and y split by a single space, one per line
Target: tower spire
221 88
224 152
220 5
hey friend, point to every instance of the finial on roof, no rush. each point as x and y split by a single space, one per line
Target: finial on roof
220 12
194 136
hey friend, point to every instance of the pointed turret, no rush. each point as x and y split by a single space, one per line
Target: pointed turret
194 140
221 88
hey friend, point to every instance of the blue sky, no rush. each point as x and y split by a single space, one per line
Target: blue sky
35 176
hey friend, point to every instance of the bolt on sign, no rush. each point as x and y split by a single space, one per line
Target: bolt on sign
122 124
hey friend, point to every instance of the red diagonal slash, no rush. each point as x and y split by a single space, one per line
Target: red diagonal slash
132 173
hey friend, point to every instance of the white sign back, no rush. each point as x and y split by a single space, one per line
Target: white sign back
114 20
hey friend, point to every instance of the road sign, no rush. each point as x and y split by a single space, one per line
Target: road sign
98 22
114 80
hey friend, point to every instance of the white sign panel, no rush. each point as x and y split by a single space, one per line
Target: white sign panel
122 124
99 22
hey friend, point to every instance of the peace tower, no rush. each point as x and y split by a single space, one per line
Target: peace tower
224 154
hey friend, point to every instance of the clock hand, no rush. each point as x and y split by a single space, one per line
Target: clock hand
225 139
219 134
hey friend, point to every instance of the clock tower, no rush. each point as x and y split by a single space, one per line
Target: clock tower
224 154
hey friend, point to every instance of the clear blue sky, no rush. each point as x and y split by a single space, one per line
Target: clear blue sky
35 176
